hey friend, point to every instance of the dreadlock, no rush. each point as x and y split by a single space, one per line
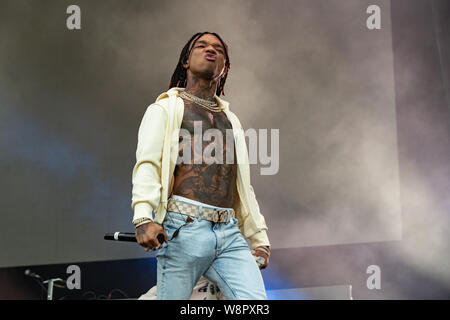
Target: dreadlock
179 77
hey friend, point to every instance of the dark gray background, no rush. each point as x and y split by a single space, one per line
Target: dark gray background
71 103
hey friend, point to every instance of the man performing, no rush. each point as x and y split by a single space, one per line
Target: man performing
204 207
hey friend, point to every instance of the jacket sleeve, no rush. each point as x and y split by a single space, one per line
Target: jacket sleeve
146 176
260 238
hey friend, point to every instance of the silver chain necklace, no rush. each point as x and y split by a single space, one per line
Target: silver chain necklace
210 105
195 98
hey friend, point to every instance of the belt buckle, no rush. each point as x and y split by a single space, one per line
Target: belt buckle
220 214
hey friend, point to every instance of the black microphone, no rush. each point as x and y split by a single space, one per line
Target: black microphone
32 274
128 236
121 236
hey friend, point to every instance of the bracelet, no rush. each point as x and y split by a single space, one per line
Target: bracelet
141 221
263 249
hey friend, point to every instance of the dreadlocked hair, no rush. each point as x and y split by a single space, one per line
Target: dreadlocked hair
179 77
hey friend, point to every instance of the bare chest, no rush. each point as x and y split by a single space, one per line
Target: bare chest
196 117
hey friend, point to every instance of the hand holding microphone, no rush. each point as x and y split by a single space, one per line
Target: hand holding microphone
147 236
151 236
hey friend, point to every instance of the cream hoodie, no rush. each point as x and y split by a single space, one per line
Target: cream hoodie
156 156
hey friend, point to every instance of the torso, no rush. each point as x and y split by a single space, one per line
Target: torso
214 183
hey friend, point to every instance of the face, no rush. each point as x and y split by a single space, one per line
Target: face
207 58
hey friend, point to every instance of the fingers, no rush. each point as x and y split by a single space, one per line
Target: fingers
157 245
146 246
149 239
160 230
265 263
262 258
153 244
148 243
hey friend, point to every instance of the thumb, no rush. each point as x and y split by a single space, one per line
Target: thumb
161 230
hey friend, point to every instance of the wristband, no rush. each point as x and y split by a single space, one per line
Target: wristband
263 249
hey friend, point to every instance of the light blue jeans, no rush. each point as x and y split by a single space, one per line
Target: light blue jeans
216 250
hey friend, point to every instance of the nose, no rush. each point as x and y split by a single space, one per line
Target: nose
210 49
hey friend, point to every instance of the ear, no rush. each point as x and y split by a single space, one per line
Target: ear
186 65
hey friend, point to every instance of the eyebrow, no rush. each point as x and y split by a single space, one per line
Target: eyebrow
217 45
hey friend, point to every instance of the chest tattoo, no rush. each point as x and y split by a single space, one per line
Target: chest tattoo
206 165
